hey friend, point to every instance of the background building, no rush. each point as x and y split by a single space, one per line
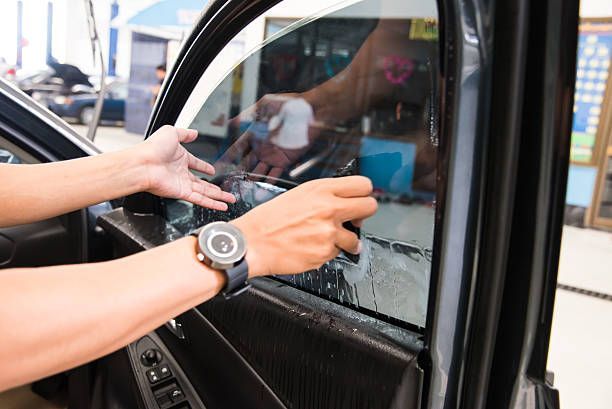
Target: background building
589 195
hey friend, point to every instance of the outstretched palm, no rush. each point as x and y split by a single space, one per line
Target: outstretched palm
169 167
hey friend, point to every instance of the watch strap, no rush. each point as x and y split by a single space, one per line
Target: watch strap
236 276
236 280
196 232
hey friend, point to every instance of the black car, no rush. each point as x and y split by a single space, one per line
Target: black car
56 80
466 138
82 106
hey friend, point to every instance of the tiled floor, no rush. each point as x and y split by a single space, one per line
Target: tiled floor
580 352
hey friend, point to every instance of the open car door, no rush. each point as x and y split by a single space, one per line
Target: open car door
459 118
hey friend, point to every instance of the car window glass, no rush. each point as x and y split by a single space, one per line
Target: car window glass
351 90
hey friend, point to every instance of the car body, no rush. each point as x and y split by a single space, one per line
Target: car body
7 71
81 106
56 79
478 259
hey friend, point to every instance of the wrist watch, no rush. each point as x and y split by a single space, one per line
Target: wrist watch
222 246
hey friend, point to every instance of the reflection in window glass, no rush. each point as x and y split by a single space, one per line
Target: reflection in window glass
351 92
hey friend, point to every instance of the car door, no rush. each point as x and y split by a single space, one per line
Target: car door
461 121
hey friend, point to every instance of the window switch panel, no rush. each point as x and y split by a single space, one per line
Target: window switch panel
153 375
164 401
176 394
164 371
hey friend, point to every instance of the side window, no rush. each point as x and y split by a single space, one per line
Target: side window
348 90
7 156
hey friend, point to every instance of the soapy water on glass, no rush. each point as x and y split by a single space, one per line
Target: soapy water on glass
391 277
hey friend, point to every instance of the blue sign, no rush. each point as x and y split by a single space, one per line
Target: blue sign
593 69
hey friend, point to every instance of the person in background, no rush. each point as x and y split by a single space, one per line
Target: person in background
160 74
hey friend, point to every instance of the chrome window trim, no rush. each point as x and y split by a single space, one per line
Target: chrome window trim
16 95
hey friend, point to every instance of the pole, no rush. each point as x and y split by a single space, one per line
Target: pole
112 50
19 59
96 49
49 57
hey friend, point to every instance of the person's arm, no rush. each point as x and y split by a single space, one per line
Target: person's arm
362 83
160 165
56 318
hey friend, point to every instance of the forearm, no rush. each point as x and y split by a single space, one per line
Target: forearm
331 101
359 86
56 318
35 192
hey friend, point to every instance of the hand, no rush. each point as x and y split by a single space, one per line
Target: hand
169 165
301 229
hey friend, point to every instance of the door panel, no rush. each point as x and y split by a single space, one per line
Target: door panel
23 398
49 242
315 354
315 357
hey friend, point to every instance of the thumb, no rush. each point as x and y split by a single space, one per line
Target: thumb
186 135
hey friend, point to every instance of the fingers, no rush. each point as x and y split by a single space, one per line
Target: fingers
212 191
357 208
348 241
357 223
200 165
194 178
204 201
186 135
350 186
208 195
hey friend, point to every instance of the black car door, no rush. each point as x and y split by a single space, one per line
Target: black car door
459 118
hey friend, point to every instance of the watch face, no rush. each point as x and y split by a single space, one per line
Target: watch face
222 245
